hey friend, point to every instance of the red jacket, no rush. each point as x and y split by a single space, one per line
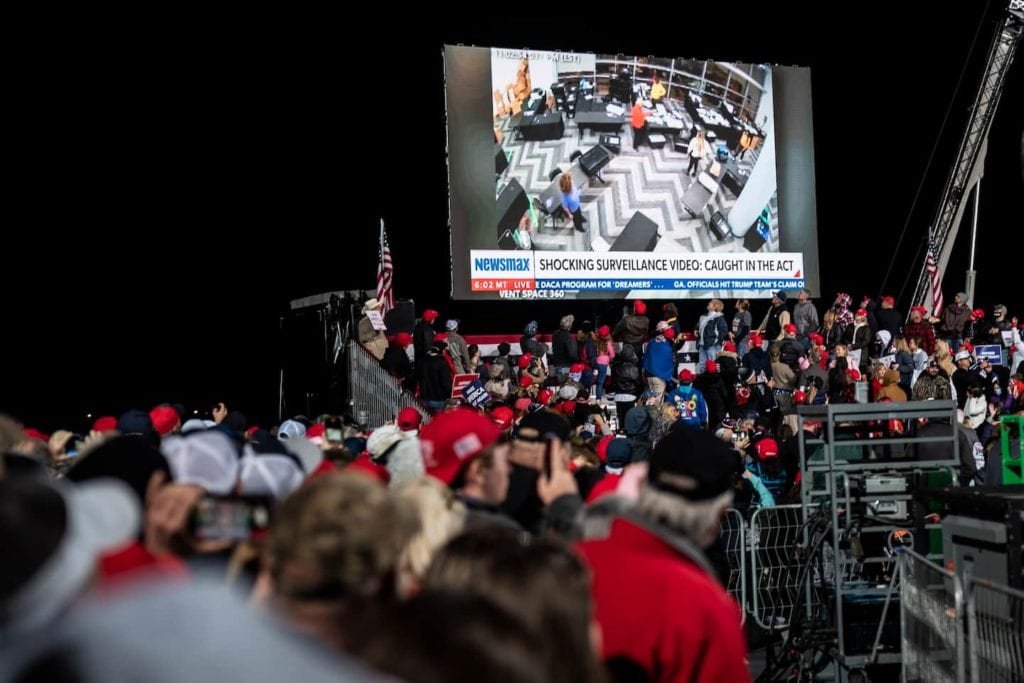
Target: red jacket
658 608
605 487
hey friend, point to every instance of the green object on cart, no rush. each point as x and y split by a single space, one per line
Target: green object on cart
1013 463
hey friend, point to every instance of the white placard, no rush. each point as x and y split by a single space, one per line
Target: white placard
377 320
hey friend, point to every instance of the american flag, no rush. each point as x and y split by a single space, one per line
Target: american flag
385 291
932 264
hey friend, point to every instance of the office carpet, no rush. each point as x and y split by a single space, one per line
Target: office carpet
649 180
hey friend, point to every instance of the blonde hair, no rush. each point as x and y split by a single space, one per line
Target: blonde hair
901 345
339 531
441 517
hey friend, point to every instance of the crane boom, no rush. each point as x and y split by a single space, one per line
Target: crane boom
967 169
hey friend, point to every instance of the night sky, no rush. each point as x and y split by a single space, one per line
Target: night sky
204 179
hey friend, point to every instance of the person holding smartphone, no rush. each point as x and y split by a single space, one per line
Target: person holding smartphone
542 493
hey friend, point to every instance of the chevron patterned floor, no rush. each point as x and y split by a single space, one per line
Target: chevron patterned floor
649 180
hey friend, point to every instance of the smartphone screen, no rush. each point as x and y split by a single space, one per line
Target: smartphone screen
234 518
333 434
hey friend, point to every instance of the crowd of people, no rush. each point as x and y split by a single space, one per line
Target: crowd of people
734 378
566 530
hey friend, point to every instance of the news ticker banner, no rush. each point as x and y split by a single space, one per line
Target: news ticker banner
505 271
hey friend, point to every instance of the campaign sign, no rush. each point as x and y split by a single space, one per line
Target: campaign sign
460 382
991 352
475 394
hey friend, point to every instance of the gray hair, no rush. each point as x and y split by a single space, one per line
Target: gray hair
595 520
699 521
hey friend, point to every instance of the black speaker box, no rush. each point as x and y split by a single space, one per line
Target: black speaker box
511 206
507 241
306 360
500 160
718 226
753 240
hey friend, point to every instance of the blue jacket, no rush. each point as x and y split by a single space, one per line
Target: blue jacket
659 359
693 410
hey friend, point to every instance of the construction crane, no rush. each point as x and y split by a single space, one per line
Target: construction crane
967 169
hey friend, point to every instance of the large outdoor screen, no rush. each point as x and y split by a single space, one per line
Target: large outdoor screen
608 176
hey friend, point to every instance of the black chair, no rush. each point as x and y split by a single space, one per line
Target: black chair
575 155
555 172
554 214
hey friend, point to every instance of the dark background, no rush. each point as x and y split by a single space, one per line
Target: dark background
174 187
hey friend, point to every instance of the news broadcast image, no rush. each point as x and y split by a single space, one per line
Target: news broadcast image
598 176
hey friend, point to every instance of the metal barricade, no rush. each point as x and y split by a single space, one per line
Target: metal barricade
734 544
775 533
932 621
995 618
377 396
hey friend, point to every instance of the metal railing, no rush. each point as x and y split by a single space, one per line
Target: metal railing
946 633
734 542
376 395
995 619
932 614
775 534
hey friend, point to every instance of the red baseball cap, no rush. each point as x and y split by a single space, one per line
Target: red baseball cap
669 334
503 417
33 433
544 396
604 331
430 315
729 346
789 328
453 439
165 419
767 448
403 339
639 307
566 407
440 337
525 380
686 376
577 367
524 361
107 423
409 419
